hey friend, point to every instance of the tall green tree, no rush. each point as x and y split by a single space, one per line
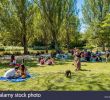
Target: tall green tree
71 21
57 13
17 18
94 12
53 11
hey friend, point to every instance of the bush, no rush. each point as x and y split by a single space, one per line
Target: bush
2 49
39 48
10 53
7 53
17 53
13 48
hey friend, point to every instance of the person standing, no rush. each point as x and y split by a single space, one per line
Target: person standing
77 62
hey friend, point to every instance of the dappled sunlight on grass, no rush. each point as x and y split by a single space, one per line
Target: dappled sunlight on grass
93 76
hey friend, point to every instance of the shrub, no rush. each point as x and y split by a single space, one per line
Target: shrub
2 49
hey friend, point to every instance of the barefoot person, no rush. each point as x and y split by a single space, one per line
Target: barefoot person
77 62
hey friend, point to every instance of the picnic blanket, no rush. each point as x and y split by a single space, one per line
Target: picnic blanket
20 79
62 56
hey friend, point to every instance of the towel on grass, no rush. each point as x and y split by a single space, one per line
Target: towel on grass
20 79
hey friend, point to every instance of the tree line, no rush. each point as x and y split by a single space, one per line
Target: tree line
54 23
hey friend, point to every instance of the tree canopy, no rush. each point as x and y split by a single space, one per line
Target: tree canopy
54 23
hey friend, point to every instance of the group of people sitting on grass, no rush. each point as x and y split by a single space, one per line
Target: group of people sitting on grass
89 56
78 56
47 61
19 70
85 55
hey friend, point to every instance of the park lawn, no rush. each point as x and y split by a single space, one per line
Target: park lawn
94 76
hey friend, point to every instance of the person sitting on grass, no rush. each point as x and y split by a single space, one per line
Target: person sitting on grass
93 58
50 61
12 73
23 71
13 60
42 61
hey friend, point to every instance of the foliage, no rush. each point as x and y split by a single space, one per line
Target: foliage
94 14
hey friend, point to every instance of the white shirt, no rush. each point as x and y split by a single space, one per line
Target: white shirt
10 73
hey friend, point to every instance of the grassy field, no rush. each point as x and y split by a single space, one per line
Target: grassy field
94 76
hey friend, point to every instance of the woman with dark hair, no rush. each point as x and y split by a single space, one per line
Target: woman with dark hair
13 60
23 71
42 61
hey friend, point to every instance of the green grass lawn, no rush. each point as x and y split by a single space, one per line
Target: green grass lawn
94 76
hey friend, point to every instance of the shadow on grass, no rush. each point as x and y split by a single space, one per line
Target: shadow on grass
84 70
61 63
54 82
34 63
4 65
31 64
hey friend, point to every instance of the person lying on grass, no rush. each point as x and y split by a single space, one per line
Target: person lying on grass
16 72
12 73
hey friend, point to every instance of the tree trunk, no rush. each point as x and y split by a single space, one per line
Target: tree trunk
68 40
55 40
25 44
55 43
46 41
24 29
103 47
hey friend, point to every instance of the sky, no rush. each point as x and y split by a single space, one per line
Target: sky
79 6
